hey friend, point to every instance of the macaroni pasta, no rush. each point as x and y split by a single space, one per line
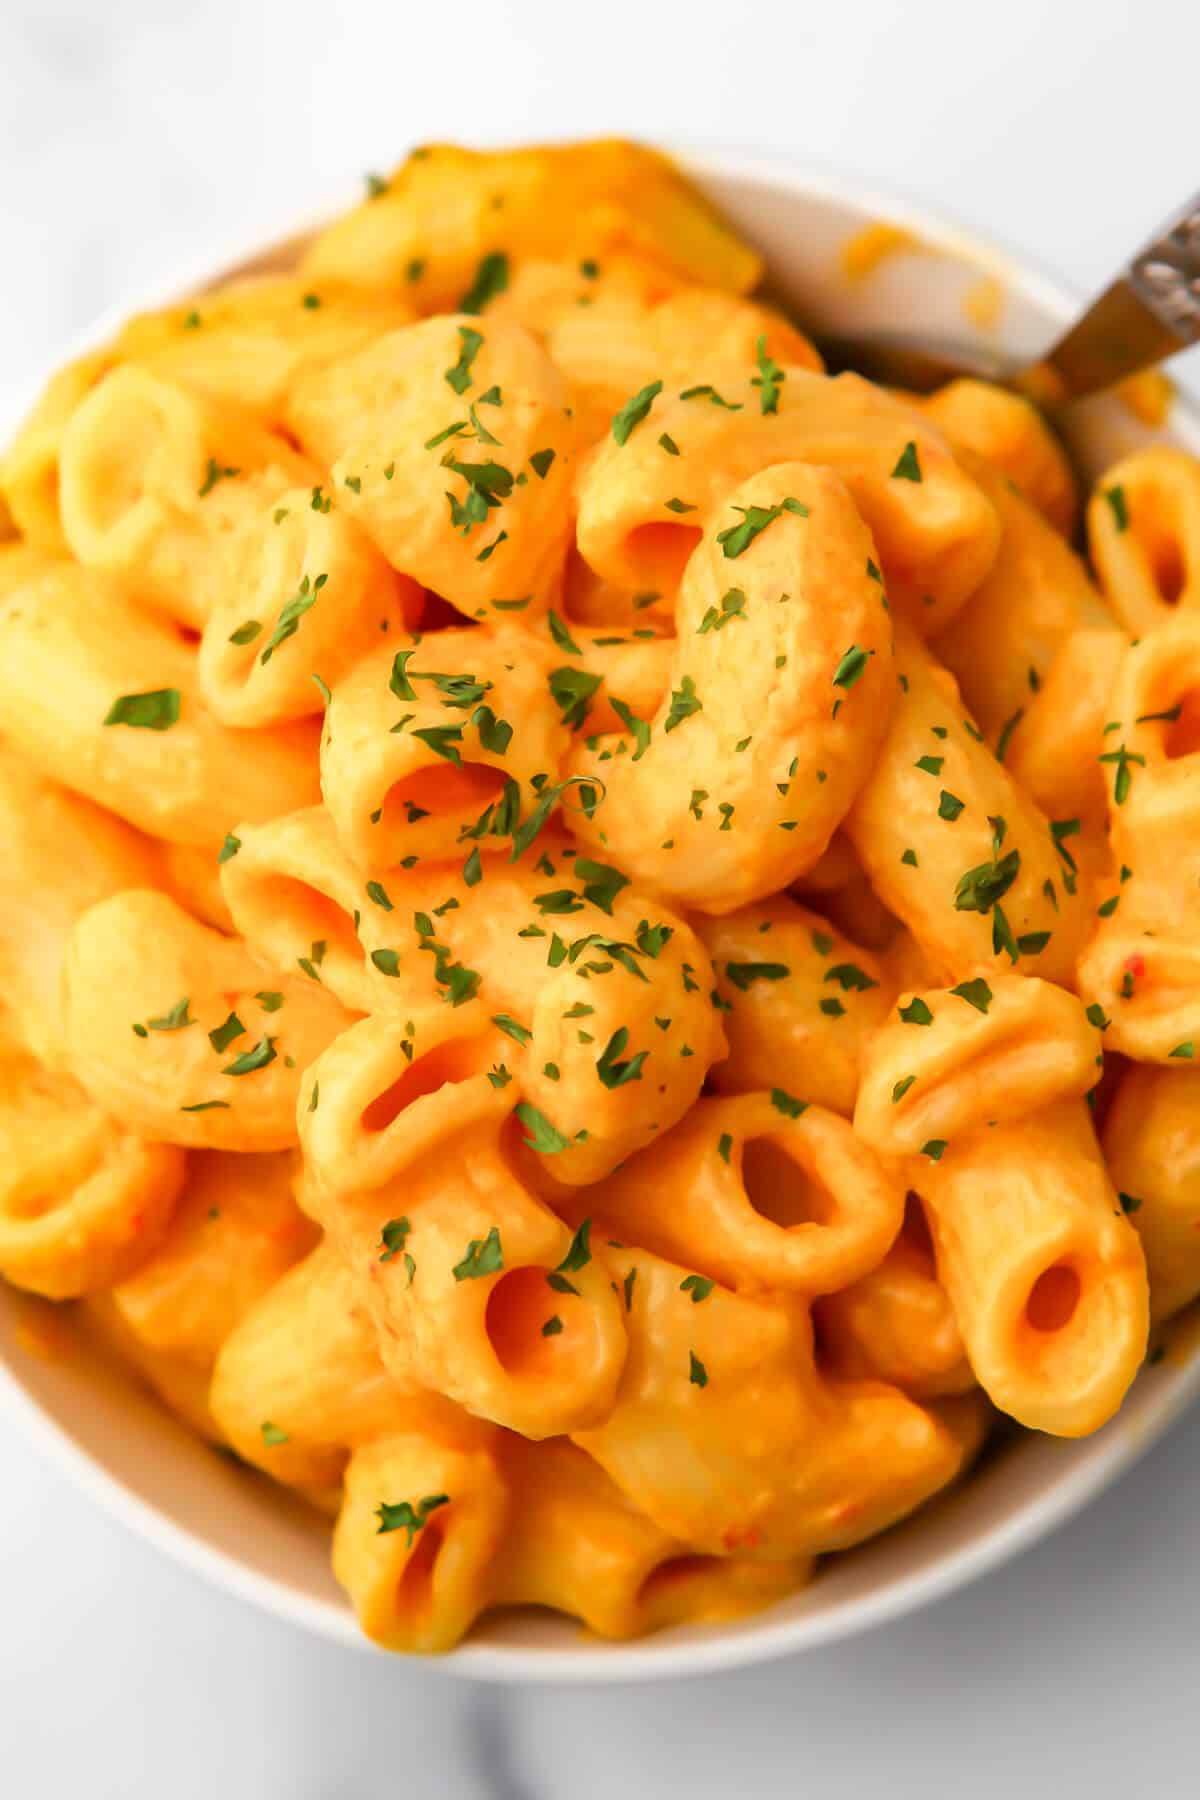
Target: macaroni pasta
570 881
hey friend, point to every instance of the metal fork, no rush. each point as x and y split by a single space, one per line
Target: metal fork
1149 312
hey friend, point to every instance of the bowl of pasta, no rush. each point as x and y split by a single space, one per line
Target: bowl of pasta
591 1084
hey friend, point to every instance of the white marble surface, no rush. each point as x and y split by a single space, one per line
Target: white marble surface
131 133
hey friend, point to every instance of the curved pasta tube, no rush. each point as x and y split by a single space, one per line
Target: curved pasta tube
574 1543
765 1192
1143 524
609 674
71 647
451 444
1151 1141
951 1061
588 601
181 1386
29 476
607 1018
896 1324
1142 967
445 209
688 339
61 855
1004 642
296 897
1045 1273
802 1002
457 1284
305 595
1054 747
952 846
386 1093
203 1049
641 512
725 1435
408 764
235 1231
304 1358
246 343
153 477
743 779
464 1307
82 1200
1009 432
421 1588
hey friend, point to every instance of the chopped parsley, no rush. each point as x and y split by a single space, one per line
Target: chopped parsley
755 519
543 1136
615 1074
250 1060
484 1256
213 473
394 1238
471 342
851 666
634 411
976 993
907 468
1122 758
698 1286
288 622
402 1515
769 379
224 1035
850 978
978 889
683 704
744 974
156 710
916 1012
491 278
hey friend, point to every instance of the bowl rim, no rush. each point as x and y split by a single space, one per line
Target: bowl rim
756 1638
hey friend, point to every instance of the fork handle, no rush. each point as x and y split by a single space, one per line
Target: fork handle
1149 312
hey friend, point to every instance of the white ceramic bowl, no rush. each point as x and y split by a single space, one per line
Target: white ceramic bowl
241 1533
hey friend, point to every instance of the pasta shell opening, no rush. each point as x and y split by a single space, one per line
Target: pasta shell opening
1182 735
1054 1298
536 1332
454 1061
661 551
780 1189
315 919
415 1590
443 790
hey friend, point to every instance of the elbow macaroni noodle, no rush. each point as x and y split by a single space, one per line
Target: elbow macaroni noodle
569 882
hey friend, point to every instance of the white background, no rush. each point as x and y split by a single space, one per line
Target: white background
133 133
